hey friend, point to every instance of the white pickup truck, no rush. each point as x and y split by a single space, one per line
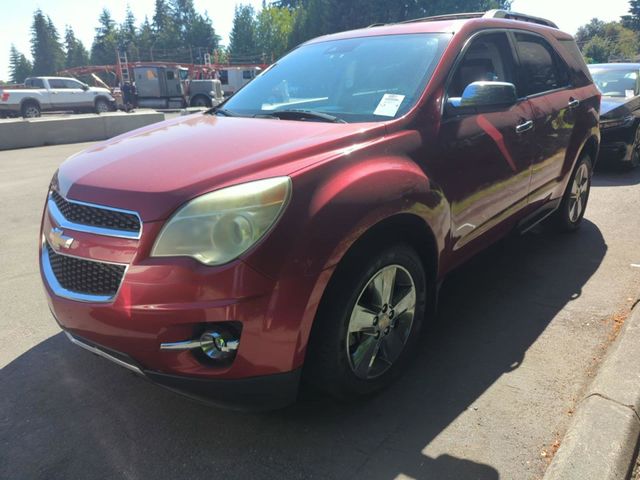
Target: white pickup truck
53 93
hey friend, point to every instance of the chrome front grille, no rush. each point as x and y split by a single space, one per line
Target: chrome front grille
86 217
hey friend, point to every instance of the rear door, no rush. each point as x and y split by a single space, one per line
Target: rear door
545 78
484 165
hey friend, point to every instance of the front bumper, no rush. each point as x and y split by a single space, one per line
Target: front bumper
617 144
267 392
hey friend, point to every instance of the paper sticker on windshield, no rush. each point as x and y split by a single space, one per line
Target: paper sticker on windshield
629 93
389 105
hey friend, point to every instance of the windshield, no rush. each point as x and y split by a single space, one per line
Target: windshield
355 80
616 82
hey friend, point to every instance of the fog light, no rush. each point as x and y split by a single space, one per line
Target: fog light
217 345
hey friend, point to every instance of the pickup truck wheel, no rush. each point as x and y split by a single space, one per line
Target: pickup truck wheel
569 215
31 110
102 106
368 323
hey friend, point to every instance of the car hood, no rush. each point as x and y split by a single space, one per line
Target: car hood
155 169
612 107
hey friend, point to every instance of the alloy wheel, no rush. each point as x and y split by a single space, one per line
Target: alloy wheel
579 193
31 112
381 321
102 107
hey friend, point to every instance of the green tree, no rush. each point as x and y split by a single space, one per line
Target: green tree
603 42
319 17
146 40
128 35
105 42
632 21
274 27
243 46
46 49
76 53
19 66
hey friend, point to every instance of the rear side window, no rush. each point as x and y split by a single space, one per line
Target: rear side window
580 75
541 69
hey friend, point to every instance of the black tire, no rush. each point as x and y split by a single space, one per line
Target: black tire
200 101
566 219
30 109
102 106
328 364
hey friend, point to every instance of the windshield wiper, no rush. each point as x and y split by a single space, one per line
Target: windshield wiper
222 111
302 115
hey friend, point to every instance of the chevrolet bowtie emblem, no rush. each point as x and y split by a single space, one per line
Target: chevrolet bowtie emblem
58 240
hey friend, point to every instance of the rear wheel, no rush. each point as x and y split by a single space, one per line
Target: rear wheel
368 324
102 106
569 215
31 110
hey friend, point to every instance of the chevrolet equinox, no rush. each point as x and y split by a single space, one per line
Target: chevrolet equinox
302 228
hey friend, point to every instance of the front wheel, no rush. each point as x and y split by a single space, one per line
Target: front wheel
569 215
102 106
368 324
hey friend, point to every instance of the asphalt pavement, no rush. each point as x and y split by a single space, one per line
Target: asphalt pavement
519 334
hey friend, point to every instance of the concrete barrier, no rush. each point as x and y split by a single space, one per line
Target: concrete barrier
38 132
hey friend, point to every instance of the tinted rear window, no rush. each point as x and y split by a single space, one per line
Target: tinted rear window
580 75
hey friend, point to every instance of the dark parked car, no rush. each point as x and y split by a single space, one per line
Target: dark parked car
309 220
620 111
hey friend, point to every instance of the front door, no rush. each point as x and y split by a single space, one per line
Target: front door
484 166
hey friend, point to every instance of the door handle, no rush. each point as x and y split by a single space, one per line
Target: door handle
574 103
524 127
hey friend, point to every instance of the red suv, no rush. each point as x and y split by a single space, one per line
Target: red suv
302 229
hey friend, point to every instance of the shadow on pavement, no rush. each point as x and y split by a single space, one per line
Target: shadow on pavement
68 414
615 176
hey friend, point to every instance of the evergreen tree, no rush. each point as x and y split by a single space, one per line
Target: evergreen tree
19 67
128 35
46 49
146 39
77 54
105 42
243 46
633 21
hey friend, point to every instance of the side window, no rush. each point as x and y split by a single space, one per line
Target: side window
72 84
224 77
57 83
489 58
170 75
541 69
37 83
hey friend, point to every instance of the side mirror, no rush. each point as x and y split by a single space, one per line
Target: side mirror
85 87
489 94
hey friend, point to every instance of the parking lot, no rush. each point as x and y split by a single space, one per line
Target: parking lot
519 333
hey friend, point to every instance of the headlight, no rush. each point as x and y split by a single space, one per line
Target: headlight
218 227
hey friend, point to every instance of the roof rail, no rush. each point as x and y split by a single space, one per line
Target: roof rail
451 16
522 17
490 14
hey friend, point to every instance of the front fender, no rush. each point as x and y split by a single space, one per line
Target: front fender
333 205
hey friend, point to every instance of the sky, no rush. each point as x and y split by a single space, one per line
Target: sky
82 16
